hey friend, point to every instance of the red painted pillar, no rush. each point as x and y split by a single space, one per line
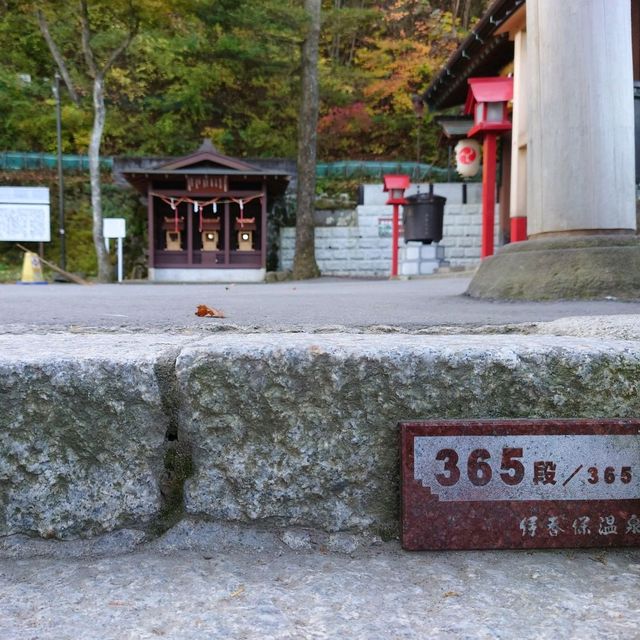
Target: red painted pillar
518 228
488 192
395 239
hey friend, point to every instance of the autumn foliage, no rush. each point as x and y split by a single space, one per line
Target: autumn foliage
230 70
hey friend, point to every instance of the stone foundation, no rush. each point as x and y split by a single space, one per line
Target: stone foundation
206 275
569 267
417 259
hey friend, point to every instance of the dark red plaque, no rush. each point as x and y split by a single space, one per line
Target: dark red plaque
520 484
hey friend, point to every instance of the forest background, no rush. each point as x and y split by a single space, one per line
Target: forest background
228 70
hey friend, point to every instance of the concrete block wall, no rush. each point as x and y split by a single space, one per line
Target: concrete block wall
360 251
343 251
461 237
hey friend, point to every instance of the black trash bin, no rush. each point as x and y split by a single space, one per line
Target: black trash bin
423 217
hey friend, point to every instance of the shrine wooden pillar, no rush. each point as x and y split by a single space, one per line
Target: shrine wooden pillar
152 234
189 228
227 235
263 210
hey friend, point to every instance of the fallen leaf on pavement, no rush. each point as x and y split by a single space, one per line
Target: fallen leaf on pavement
203 311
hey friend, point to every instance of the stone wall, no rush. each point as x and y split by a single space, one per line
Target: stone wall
364 249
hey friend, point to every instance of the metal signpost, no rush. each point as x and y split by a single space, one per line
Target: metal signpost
510 484
115 228
56 95
24 214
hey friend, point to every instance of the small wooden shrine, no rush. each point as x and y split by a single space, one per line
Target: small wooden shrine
207 217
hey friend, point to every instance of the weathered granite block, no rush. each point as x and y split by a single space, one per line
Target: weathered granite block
82 431
301 429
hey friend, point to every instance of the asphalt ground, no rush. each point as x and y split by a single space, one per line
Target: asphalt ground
200 591
300 305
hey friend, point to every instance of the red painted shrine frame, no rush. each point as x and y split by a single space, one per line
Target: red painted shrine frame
192 257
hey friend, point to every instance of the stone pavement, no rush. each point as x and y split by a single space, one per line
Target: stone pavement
132 368
270 592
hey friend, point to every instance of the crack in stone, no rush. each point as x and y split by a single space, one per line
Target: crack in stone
178 463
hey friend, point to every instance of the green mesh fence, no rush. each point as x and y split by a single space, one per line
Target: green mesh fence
20 161
374 169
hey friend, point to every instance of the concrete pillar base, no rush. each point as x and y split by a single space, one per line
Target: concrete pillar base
417 259
571 267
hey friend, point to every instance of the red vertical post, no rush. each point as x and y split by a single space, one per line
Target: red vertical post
518 228
488 192
395 186
395 239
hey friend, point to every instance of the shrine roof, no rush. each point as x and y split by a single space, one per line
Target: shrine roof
485 52
208 153
208 171
205 161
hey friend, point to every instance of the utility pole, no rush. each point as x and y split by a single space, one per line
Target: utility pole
56 94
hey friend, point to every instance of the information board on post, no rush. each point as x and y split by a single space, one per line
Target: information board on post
512 484
24 214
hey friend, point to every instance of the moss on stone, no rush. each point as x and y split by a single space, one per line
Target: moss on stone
178 467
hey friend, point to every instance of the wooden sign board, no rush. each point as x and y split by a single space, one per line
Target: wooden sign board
207 183
520 484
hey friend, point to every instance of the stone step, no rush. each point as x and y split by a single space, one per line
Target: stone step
99 432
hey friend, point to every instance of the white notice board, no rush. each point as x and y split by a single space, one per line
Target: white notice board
24 214
114 228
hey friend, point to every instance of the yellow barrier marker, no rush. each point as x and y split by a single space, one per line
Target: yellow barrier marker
31 269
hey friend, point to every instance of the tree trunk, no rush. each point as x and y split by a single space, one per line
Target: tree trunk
304 262
104 266
335 44
455 13
466 15
55 52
